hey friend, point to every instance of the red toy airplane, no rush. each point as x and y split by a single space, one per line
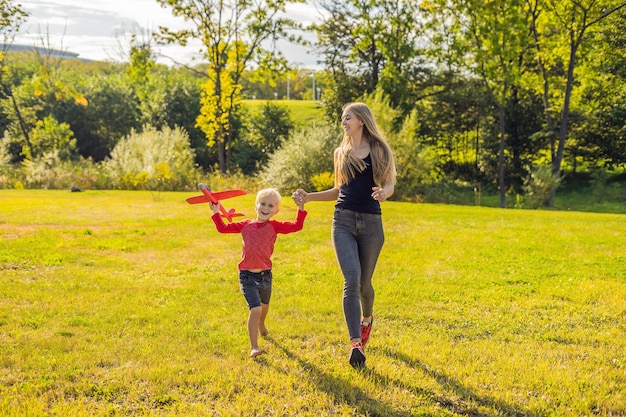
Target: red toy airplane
215 197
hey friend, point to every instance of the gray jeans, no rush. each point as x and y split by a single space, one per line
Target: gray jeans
358 239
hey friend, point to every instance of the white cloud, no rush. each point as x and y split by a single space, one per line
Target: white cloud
100 29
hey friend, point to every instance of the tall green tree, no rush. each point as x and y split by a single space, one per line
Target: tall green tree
600 133
488 39
560 29
113 111
263 132
234 34
367 42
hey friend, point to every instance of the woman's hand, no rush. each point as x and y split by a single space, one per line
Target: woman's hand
300 196
379 194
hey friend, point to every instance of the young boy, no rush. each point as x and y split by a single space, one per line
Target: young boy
255 268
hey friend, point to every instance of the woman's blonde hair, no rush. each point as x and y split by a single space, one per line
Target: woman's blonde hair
383 164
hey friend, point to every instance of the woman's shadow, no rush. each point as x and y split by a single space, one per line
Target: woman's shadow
468 401
462 401
340 390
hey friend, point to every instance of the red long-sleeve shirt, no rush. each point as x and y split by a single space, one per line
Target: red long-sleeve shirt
258 238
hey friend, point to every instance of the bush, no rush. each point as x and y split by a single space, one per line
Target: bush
323 181
50 136
153 160
50 171
307 154
539 185
218 181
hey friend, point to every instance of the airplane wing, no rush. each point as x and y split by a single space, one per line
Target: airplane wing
223 195
219 195
198 199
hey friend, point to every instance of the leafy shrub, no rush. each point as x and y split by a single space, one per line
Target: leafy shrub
50 136
599 178
539 185
153 160
218 181
308 153
50 171
323 181
263 132
446 191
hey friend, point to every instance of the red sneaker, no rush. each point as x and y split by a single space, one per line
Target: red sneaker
366 329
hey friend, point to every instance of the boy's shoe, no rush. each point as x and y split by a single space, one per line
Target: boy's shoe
366 329
357 356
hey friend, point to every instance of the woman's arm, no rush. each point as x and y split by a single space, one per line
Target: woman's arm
326 195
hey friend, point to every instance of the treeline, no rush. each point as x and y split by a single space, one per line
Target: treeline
501 97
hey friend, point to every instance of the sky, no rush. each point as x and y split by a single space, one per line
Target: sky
101 29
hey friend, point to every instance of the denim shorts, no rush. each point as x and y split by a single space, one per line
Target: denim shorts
256 287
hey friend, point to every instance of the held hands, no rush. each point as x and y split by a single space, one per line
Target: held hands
300 197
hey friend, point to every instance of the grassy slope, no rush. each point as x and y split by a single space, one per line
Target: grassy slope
302 112
112 303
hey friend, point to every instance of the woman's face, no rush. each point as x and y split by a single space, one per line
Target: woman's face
350 124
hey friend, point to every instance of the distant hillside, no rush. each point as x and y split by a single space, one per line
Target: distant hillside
55 53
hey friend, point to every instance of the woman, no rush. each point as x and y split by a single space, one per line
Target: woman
365 175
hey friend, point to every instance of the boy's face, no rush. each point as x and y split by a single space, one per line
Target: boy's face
266 207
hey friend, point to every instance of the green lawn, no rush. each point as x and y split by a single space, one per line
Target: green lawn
303 112
113 303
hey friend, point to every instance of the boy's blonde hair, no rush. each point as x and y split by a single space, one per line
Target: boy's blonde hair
268 192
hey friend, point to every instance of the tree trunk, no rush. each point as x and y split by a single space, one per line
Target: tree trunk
558 157
23 126
221 154
546 87
501 156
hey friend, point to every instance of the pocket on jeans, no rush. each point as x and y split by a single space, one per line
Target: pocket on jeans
247 281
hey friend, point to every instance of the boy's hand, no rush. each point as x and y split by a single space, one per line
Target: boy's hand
215 207
299 197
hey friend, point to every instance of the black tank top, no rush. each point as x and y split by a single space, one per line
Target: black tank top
357 194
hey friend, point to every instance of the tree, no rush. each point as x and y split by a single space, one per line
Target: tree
563 26
265 131
367 42
489 38
600 135
11 19
52 136
112 113
234 34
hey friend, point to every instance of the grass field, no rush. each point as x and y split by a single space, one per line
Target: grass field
114 303
302 112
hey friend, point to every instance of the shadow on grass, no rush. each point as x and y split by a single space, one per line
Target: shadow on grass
340 390
458 389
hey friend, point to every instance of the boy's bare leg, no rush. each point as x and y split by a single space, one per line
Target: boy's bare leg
264 310
253 331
